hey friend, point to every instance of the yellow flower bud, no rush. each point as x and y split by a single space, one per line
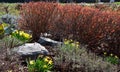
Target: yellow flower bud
66 42
73 44
50 62
47 59
111 54
77 46
77 42
71 40
105 53
17 31
65 39
116 57
32 62
45 66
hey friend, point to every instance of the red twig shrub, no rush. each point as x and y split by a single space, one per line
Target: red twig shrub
100 30
35 17
64 21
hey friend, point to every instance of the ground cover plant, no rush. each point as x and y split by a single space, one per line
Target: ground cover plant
72 57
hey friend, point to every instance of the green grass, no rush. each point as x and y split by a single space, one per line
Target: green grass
117 3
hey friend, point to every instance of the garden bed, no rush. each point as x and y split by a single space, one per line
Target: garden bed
88 34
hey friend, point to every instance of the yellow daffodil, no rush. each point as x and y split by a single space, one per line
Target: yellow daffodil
77 46
20 33
73 44
116 57
50 62
65 39
32 62
66 42
47 59
27 36
77 43
105 53
17 31
71 40
1 29
111 54
44 66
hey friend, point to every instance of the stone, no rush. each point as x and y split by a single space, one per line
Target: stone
48 42
30 50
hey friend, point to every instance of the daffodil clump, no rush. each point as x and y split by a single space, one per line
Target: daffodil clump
113 59
1 29
40 65
21 35
71 43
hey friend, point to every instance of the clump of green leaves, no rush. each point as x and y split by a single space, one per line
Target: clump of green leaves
113 59
11 41
40 64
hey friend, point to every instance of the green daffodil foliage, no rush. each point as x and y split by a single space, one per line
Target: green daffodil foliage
113 59
40 64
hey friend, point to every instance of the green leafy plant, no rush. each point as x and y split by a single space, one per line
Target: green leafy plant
113 59
11 41
40 65
21 35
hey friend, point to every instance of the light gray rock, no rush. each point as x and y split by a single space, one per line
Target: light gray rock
47 41
30 48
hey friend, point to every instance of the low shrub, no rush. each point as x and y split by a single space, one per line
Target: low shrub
73 57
